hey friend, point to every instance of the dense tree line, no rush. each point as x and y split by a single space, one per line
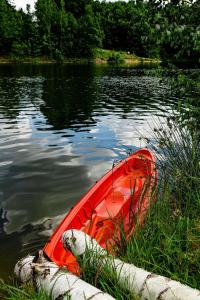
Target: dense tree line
68 28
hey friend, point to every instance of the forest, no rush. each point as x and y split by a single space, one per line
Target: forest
60 29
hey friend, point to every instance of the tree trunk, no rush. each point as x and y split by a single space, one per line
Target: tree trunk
56 282
145 284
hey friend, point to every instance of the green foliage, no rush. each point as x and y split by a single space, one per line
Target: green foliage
68 28
14 291
115 59
10 26
151 29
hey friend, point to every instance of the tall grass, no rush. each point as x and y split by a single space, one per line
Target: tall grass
168 243
103 277
15 291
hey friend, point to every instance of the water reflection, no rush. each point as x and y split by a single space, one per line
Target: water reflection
3 220
69 100
61 128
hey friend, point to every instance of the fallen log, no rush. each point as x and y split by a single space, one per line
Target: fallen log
57 282
145 284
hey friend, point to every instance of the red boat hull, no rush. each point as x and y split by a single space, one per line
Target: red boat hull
122 196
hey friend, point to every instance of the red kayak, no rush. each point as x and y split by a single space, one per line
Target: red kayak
121 196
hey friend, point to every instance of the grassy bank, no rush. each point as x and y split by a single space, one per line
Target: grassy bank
15 291
169 241
100 56
168 244
42 60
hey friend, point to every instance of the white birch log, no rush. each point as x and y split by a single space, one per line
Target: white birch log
56 282
140 282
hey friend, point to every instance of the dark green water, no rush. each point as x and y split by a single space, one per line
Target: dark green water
61 128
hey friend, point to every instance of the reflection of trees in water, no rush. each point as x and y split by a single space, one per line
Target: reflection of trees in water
18 88
69 97
3 220
73 95
9 97
134 93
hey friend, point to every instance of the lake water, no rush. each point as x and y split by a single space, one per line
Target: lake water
62 128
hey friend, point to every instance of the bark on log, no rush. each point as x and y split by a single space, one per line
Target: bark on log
57 282
145 284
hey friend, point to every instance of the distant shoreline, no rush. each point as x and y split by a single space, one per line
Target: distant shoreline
101 57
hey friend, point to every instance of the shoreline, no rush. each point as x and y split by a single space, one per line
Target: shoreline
127 60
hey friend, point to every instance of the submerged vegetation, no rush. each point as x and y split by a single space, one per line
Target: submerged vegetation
60 29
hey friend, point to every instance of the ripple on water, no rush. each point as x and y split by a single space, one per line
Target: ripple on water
61 128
